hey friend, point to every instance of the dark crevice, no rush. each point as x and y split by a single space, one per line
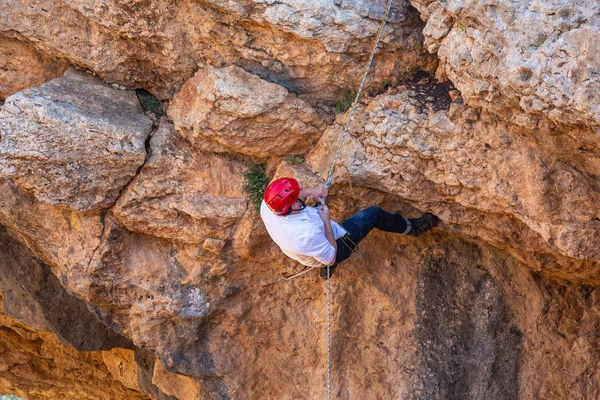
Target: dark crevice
468 345
145 361
150 103
148 149
429 92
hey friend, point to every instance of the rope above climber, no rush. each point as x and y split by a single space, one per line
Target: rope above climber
309 236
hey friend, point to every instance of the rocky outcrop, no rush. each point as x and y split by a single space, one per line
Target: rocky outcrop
34 365
182 193
533 63
230 110
22 66
67 149
86 137
486 178
313 48
64 351
32 294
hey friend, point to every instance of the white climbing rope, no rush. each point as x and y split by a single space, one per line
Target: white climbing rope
330 179
362 84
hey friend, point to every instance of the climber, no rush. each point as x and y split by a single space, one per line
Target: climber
307 234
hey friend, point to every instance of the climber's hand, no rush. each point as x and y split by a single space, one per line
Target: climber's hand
324 213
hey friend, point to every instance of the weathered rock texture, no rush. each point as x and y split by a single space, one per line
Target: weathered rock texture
40 365
531 61
231 110
480 174
67 149
182 193
22 66
34 365
146 223
32 294
87 138
37 363
316 48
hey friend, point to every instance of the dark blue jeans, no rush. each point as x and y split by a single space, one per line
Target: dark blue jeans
363 222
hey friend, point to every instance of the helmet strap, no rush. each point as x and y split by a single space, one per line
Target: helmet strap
290 210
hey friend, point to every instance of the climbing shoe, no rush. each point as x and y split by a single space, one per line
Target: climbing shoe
421 225
323 271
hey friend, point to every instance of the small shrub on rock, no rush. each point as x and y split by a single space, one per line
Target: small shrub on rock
255 185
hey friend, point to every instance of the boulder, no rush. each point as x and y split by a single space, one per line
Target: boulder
86 137
230 110
314 48
489 179
533 63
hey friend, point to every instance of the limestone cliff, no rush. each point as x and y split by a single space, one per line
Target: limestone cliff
126 235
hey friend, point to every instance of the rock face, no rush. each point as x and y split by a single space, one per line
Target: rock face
314 48
40 365
231 110
131 234
483 168
22 66
87 138
464 314
35 366
32 294
183 194
527 62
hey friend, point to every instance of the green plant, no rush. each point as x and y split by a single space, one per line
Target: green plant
255 185
150 103
296 159
345 101
385 82
462 27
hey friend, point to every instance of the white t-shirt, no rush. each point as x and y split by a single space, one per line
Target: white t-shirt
302 236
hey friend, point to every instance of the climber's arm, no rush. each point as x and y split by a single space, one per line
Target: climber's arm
318 192
324 214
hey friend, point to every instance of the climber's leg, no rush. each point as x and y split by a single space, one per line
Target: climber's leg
359 226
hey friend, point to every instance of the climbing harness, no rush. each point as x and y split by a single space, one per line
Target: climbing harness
349 243
330 179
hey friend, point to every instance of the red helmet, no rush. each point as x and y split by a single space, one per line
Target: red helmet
281 194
